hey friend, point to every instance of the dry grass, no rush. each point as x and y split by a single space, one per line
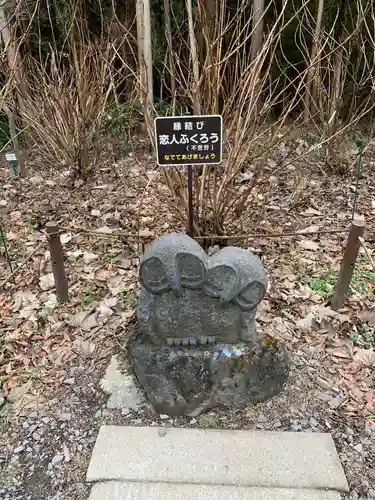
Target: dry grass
65 107
232 81
65 96
66 91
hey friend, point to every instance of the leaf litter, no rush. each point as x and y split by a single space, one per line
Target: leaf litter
40 339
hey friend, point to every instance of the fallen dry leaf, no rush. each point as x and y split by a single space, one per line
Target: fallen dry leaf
66 453
310 230
368 316
365 357
370 401
83 346
110 302
65 238
90 322
17 393
310 212
309 245
104 312
51 302
339 352
104 229
306 323
356 394
47 282
17 304
80 317
89 257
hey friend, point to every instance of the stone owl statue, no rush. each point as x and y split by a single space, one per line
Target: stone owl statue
196 345
188 298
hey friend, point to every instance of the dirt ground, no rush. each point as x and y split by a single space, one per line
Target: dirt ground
52 356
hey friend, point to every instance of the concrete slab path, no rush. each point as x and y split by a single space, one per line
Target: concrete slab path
171 463
163 491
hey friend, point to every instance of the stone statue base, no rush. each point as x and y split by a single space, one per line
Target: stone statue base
181 380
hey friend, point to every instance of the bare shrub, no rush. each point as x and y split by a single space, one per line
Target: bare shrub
222 76
232 81
67 91
65 108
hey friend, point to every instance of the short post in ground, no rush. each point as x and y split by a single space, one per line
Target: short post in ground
348 263
57 259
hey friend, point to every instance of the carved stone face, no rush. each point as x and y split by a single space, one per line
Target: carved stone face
192 296
220 282
153 275
191 270
250 296
173 261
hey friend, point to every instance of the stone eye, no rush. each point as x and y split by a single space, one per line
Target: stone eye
191 269
251 295
153 276
220 281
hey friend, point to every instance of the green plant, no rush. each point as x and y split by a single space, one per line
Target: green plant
363 335
77 259
31 374
321 286
119 118
128 299
4 130
89 297
32 226
363 281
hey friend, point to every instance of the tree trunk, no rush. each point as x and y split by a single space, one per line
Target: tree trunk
145 62
14 64
311 86
148 51
258 27
168 35
338 84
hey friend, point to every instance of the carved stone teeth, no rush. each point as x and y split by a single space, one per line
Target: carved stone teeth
203 340
170 342
192 341
177 341
185 342
211 340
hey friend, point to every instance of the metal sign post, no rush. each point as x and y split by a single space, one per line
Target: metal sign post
11 157
190 202
189 141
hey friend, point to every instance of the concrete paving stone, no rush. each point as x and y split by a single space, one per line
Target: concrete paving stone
210 456
115 490
123 392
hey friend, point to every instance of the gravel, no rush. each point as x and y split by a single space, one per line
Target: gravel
44 455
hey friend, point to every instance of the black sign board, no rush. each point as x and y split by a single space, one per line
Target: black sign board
189 140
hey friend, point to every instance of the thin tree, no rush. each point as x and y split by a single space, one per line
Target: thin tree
311 84
258 27
14 65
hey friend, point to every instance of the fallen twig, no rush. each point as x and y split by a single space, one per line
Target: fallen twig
16 271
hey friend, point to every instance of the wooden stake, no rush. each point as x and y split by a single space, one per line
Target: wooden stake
348 263
57 258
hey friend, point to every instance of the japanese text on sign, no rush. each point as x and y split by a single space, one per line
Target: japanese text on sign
189 140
